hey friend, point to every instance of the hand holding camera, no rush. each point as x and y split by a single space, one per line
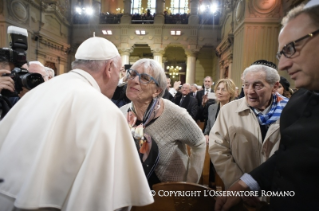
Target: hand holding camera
18 77
6 82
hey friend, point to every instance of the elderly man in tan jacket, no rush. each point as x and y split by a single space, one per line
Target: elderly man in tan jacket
246 131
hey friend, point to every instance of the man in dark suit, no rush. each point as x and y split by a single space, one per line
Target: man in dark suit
194 90
203 101
167 95
292 170
185 100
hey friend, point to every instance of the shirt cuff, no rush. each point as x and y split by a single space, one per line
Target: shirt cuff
172 91
250 182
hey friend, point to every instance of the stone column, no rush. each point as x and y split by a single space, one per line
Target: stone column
158 56
191 67
126 18
159 17
96 6
193 18
256 25
125 55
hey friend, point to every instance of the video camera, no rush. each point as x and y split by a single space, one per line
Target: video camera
17 56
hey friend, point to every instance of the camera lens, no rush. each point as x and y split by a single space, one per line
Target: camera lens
31 80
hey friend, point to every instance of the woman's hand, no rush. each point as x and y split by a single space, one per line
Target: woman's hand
207 139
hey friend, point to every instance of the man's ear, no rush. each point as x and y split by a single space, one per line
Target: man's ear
107 70
275 88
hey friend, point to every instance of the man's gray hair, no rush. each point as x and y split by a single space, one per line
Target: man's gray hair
312 12
93 65
50 71
156 72
272 75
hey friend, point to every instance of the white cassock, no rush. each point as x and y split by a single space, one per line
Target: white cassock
65 145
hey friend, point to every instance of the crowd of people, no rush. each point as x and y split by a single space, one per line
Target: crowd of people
100 136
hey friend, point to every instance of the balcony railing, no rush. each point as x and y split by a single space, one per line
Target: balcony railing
142 19
110 18
106 18
176 19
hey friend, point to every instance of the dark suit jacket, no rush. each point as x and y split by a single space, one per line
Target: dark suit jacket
119 96
203 110
295 166
189 103
168 95
212 110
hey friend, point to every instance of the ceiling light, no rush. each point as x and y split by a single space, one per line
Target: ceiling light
178 33
88 11
140 32
213 8
202 8
78 10
107 32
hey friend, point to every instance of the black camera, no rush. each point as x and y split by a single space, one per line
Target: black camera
18 56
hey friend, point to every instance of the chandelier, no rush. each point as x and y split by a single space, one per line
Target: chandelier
173 70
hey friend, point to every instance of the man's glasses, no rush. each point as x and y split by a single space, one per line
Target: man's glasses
289 50
143 77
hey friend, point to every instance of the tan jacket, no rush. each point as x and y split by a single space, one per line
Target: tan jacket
235 141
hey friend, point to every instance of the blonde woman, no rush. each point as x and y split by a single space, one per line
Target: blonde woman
225 90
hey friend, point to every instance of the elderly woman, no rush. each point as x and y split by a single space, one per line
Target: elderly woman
157 122
225 90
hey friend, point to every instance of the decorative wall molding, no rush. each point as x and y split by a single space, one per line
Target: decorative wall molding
18 11
264 9
240 10
1 6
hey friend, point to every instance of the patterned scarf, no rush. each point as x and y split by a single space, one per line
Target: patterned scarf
278 104
147 148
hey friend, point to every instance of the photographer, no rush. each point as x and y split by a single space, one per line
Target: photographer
5 83
14 80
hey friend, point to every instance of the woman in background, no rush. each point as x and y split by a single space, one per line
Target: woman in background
284 87
225 92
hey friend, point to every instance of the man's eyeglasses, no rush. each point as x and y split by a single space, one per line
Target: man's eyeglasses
289 50
143 77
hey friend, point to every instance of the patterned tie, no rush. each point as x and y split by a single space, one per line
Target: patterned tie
206 92
180 103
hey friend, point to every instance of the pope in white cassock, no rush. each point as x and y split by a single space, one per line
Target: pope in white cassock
65 145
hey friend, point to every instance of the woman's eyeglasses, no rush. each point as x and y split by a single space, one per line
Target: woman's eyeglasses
143 77
289 50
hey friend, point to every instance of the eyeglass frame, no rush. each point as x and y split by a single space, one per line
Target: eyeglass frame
139 77
278 55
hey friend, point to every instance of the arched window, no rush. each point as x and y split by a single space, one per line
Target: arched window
136 6
151 4
179 6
